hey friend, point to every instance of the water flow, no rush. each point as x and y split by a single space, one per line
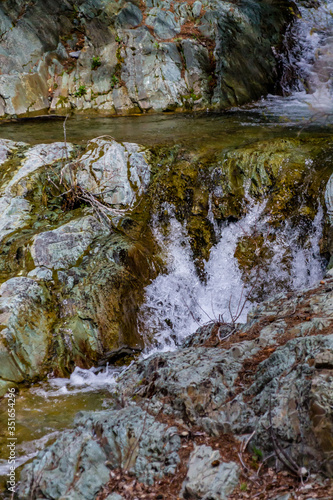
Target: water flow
178 302
309 92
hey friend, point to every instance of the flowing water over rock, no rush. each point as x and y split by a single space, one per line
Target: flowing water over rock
307 81
178 302
185 295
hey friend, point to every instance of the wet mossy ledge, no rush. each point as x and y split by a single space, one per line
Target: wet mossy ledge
78 244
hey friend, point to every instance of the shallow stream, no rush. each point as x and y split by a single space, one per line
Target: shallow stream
178 302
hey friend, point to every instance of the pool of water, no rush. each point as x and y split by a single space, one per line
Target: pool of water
230 128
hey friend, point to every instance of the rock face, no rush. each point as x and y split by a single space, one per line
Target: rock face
267 386
128 57
68 273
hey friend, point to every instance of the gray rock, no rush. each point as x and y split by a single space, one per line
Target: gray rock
75 54
197 67
129 438
114 496
206 480
129 16
329 198
62 247
41 273
196 9
120 173
25 328
164 23
14 212
34 62
37 157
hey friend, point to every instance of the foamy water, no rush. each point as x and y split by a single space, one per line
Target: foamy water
178 302
310 95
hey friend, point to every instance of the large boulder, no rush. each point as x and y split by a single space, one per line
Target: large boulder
77 282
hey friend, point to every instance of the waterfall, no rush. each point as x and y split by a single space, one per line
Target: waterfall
307 61
177 302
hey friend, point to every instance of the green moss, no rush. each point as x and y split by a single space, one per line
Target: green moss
81 91
96 62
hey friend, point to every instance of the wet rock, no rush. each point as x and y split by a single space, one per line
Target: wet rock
41 273
25 329
276 381
36 157
95 277
129 438
206 480
119 173
14 212
163 22
62 247
282 384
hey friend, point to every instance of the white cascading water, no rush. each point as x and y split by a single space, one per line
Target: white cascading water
311 95
178 302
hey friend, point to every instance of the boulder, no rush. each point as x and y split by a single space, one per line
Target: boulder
64 246
119 173
99 442
208 476
25 329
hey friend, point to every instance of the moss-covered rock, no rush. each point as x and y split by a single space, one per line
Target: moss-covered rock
91 267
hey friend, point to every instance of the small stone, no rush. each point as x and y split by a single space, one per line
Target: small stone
324 360
75 54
